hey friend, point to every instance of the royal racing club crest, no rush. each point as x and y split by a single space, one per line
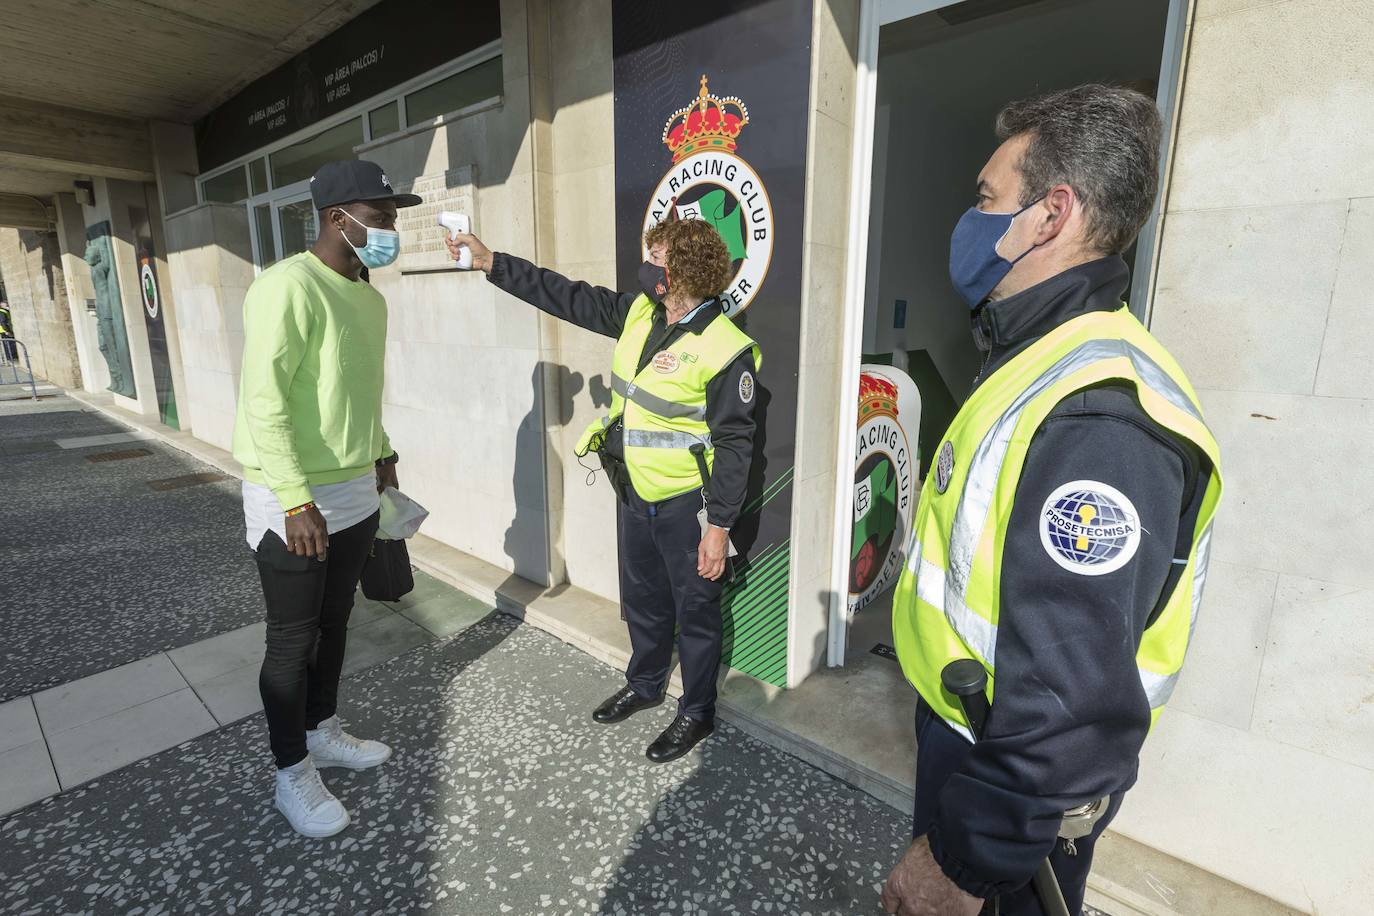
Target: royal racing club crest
708 181
1089 528
147 282
885 469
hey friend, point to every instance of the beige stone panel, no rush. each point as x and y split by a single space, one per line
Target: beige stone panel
1223 666
214 427
1347 359
1299 485
510 141
827 208
589 544
1317 687
1242 295
515 38
584 125
586 227
1280 820
834 53
580 31
822 338
1209 8
817 419
506 220
1295 127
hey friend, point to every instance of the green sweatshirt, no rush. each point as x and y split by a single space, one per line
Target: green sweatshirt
310 396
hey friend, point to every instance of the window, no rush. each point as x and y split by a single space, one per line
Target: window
257 175
267 245
226 188
467 87
272 183
384 120
298 231
300 160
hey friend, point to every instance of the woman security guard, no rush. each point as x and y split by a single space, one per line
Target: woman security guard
683 376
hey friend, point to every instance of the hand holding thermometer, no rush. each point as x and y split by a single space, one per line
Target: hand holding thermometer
457 223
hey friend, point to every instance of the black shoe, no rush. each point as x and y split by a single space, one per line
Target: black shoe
622 705
678 739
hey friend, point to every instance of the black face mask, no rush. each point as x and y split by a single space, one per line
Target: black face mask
654 281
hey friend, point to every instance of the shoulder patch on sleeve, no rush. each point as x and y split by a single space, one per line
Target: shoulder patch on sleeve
746 386
1090 528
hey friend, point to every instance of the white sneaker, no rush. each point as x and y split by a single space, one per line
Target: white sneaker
331 746
311 809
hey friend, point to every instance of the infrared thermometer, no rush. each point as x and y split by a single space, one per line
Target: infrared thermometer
456 223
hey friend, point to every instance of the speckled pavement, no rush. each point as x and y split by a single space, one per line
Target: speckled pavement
100 570
502 797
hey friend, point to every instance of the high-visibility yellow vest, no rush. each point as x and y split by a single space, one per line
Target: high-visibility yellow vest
947 600
664 407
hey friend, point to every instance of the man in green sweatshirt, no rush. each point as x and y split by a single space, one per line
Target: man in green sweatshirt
309 436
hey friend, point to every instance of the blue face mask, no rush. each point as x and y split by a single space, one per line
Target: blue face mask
383 245
975 267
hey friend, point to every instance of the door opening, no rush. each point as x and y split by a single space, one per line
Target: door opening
941 77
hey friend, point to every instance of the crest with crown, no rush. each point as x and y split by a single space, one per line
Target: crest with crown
877 398
709 123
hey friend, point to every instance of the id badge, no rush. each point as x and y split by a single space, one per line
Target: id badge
701 517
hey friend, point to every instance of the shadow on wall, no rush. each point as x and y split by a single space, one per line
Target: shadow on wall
46 241
553 388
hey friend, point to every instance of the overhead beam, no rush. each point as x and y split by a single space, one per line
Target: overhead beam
50 138
18 211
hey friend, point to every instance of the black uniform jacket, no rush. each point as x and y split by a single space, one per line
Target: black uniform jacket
1069 713
729 404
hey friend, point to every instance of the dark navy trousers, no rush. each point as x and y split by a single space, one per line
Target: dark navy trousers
660 592
940 752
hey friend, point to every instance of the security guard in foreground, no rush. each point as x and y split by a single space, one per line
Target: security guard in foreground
683 376
1062 536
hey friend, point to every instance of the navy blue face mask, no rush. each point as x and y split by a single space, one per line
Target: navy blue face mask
975 267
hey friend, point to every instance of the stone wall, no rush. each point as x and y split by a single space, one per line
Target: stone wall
1261 292
31 265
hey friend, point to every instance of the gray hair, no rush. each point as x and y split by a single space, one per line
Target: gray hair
1102 141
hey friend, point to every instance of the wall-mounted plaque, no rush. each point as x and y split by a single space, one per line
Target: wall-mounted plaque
422 239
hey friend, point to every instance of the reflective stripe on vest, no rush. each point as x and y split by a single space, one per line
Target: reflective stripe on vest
664 408
663 404
956 539
644 438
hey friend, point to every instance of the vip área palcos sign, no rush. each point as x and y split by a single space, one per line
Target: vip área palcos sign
394 41
704 130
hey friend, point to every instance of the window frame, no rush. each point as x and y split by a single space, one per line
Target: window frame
395 93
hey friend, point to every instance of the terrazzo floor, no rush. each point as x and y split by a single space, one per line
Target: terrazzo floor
502 797
96 568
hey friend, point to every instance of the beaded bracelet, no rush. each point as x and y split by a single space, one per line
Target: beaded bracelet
306 507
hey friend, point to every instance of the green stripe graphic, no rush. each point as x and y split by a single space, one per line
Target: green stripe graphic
755 611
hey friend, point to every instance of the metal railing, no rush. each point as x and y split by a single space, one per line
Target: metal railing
11 372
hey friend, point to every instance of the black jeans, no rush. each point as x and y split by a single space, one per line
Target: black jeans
308 603
660 590
940 751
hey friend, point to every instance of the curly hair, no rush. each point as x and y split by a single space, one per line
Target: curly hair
698 260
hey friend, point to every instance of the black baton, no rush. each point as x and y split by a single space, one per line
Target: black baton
699 453
968 680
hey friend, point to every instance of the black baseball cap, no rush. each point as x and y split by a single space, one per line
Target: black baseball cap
350 180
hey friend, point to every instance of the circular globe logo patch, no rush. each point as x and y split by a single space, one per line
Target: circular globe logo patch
1089 528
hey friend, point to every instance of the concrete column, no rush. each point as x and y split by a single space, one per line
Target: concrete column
825 244
32 268
175 164
71 241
